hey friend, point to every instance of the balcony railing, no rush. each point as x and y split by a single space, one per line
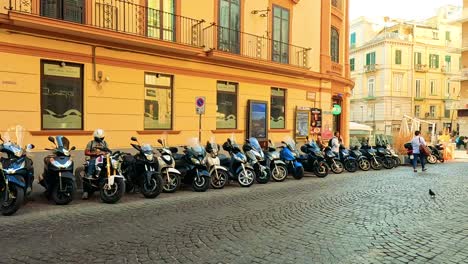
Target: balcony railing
253 46
370 68
420 68
119 16
130 18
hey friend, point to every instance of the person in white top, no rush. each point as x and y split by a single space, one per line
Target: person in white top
335 143
415 143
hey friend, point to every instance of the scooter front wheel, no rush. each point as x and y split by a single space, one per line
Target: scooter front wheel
298 173
431 159
64 196
152 188
337 167
219 179
376 164
263 177
351 165
321 170
171 182
246 177
200 183
14 201
364 164
112 194
279 172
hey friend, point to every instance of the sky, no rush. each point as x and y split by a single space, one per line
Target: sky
406 9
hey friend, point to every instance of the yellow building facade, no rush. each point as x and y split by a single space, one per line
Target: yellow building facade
406 68
135 68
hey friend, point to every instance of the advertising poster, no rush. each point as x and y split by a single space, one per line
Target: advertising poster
316 120
258 119
302 123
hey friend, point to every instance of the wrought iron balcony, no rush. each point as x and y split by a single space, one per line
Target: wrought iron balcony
370 68
119 16
420 68
252 46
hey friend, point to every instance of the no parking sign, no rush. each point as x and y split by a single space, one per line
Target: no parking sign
200 105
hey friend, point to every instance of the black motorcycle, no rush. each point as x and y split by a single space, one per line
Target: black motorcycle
385 155
238 168
370 153
58 178
313 160
350 163
192 167
107 179
141 171
363 162
333 161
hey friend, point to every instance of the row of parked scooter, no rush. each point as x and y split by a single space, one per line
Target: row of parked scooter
163 169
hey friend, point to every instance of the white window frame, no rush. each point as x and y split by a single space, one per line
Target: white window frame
433 87
371 83
417 92
398 81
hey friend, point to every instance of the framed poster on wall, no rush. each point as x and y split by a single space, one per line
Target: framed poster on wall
257 120
302 123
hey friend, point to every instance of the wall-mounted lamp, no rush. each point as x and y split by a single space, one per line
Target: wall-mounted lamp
63 64
263 13
100 76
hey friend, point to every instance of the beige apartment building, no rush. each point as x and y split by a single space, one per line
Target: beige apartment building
463 106
406 68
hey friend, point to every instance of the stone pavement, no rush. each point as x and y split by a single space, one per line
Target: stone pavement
367 217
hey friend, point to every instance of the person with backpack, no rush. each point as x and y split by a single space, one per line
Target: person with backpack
416 142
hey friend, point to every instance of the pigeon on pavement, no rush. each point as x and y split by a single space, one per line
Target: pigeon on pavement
431 193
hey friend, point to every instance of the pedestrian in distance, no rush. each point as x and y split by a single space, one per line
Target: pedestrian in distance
416 142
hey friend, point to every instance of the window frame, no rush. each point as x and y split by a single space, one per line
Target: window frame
161 27
417 110
433 61
352 64
171 88
369 82
432 87
236 101
370 58
221 44
59 8
417 58
398 80
352 40
281 43
398 56
284 105
82 79
335 45
417 90
431 113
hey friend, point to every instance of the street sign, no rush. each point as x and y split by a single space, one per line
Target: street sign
336 110
200 105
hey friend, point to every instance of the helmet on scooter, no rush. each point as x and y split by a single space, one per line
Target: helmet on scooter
98 135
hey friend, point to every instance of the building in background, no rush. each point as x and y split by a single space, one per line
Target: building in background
463 106
405 67
136 67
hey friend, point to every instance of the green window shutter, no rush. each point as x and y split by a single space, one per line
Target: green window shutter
351 64
397 56
448 58
430 61
447 35
373 58
353 40
437 61
367 58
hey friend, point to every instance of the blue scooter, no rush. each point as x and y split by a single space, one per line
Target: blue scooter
290 155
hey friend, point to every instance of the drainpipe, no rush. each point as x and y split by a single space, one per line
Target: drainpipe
96 78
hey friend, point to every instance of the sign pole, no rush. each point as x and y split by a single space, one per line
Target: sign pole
199 128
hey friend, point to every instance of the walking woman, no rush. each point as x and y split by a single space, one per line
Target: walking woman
416 142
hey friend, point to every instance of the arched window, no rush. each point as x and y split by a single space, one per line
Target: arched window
335 45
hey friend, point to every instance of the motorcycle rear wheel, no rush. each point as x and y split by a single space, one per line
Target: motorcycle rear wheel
153 188
115 193
388 163
218 182
12 205
63 197
279 172
397 161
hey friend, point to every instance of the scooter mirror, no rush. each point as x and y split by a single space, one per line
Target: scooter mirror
51 139
160 141
307 138
133 139
30 146
269 141
1 138
283 142
72 148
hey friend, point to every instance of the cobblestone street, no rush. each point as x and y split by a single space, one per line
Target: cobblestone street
367 217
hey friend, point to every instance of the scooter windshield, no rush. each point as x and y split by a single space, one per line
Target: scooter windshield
195 147
10 144
63 142
147 149
291 143
254 143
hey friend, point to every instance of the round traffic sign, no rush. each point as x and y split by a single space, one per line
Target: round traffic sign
200 102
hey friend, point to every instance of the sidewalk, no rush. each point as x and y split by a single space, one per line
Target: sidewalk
461 154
